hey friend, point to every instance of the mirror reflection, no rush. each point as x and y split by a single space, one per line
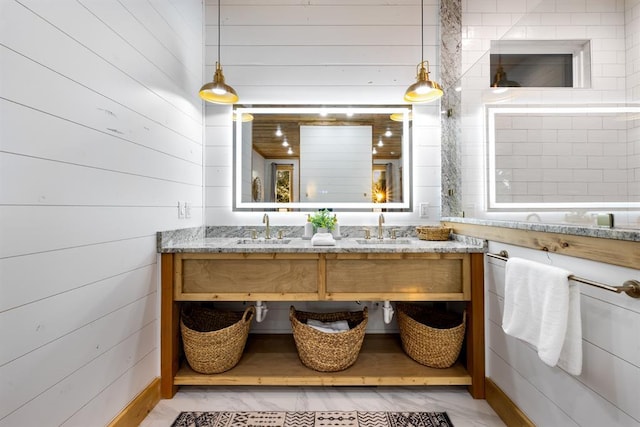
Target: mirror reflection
322 157
545 157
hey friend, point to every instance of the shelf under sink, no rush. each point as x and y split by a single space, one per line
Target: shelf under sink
273 360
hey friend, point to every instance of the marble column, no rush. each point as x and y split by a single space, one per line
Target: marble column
450 75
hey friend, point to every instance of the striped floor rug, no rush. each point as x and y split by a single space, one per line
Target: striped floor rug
312 419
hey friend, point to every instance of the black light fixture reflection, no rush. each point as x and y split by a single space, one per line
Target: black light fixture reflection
423 90
218 91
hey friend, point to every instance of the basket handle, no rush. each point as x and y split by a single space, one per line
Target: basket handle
292 312
248 314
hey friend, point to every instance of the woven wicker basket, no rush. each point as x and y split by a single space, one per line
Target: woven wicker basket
435 232
328 352
430 337
214 340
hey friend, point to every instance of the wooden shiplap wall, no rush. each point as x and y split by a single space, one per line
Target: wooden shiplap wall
100 137
321 52
324 51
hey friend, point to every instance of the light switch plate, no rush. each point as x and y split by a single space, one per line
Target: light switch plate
424 210
180 210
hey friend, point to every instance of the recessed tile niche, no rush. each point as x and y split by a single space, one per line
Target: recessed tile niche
540 63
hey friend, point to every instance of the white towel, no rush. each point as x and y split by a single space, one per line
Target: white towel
323 239
330 327
542 307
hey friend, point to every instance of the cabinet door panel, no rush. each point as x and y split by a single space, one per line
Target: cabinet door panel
246 278
396 278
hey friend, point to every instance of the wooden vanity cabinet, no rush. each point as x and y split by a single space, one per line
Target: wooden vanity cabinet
273 360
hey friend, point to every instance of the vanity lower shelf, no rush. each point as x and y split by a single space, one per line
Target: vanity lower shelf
272 359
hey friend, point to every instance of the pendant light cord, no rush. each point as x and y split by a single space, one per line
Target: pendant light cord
219 31
422 30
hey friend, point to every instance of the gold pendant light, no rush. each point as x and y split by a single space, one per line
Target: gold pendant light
218 91
423 90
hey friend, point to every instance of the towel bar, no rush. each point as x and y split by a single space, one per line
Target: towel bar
630 287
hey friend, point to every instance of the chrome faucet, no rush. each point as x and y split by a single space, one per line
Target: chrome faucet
265 220
380 231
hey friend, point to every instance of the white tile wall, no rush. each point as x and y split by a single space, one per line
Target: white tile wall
632 20
613 29
100 136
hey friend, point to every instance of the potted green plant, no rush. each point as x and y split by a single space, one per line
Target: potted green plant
323 221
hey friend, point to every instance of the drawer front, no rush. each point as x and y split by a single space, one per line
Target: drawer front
246 277
396 276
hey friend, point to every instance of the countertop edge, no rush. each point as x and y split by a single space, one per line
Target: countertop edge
457 244
568 229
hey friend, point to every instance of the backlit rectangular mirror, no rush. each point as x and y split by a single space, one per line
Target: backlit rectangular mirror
322 157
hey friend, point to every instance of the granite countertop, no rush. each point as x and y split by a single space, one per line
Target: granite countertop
298 245
221 239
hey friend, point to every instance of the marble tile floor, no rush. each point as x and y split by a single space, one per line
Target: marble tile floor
463 410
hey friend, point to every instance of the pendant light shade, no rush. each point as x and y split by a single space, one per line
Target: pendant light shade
245 117
399 117
423 90
218 91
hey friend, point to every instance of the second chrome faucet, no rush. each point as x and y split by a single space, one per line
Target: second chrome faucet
265 221
380 230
